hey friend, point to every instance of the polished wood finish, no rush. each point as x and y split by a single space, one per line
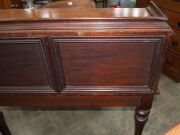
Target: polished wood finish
141 114
172 63
31 65
54 15
82 57
174 19
93 64
174 44
172 5
171 8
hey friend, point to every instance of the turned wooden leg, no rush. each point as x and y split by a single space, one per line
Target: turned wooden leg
142 113
141 117
3 126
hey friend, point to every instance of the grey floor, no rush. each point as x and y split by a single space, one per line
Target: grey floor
97 120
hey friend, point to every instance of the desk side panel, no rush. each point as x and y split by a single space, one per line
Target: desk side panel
24 66
94 64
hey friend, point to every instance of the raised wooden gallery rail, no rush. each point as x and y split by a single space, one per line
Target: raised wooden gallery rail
82 57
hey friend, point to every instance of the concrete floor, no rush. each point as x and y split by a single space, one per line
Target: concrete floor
97 120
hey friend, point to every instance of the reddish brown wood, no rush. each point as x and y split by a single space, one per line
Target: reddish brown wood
173 5
172 64
26 65
82 57
105 62
171 8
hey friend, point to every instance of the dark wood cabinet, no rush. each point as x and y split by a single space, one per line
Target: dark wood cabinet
171 8
82 57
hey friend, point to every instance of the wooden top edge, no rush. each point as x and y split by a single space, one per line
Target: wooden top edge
148 13
154 10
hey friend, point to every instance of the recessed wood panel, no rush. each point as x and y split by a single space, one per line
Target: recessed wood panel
107 62
23 65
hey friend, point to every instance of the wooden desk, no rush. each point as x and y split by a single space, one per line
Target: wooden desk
82 57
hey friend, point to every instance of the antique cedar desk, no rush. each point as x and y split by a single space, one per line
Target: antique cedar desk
82 57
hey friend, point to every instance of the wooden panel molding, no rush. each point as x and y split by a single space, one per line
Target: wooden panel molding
84 65
26 68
